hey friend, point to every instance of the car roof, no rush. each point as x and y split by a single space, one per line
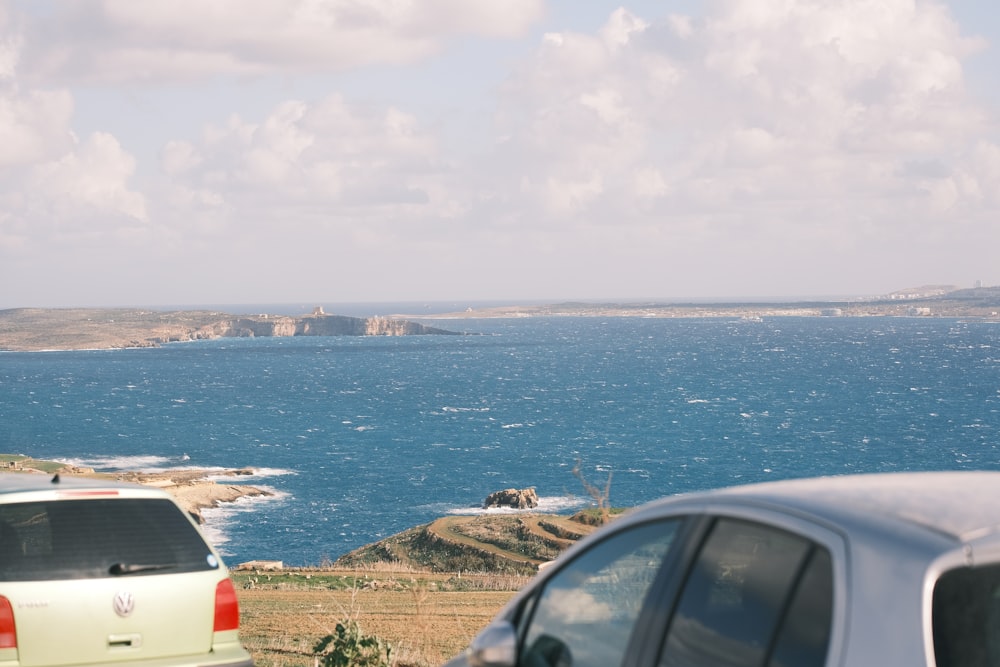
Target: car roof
962 505
28 482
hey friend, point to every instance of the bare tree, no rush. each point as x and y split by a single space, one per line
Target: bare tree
599 496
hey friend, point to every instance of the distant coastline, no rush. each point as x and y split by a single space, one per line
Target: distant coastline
36 329
932 301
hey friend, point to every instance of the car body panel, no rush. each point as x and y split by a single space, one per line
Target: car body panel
890 537
166 615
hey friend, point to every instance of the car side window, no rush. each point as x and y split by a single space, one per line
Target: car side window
585 613
755 595
804 636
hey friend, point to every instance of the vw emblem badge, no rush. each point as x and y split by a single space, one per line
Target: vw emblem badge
124 603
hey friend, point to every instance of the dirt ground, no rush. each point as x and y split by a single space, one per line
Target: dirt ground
281 621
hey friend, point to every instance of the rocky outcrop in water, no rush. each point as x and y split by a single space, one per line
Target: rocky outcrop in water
520 499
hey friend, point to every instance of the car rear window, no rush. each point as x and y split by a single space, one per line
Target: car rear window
98 537
966 617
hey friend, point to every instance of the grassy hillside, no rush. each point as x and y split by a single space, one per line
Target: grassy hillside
506 544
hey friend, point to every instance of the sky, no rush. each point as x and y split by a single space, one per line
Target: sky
336 151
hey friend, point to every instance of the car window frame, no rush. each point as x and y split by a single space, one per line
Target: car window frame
982 550
666 590
816 531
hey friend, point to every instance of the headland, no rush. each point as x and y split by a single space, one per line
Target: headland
35 329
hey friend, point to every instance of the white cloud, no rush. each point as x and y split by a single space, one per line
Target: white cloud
760 102
34 125
93 176
54 188
607 104
178 157
10 46
563 196
326 162
682 26
620 28
800 136
194 39
649 183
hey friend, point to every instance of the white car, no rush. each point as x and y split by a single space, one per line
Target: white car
899 569
98 573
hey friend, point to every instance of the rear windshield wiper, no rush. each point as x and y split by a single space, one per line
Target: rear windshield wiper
119 569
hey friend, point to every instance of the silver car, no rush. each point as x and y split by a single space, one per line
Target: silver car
97 573
897 569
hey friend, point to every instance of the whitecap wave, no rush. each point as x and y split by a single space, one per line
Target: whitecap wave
217 519
113 463
272 472
165 464
256 473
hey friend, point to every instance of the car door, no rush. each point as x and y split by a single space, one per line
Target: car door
691 591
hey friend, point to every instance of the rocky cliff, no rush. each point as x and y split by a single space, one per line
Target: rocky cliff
339 325
311 325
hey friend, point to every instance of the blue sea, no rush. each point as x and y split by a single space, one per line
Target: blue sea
360 438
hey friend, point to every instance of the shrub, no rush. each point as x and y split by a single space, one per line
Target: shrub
347 646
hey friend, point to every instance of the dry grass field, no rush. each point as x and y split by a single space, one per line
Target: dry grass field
427 618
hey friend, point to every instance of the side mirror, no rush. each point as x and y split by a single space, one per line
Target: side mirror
495 646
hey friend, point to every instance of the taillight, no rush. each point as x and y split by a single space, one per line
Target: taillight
227 608
8 633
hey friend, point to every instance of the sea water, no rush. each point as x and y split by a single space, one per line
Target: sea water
359 438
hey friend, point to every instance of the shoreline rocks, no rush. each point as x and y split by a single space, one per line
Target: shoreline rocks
192 488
